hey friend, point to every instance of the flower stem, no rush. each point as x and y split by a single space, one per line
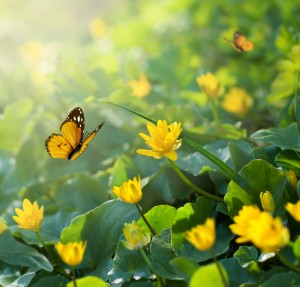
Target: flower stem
287 263
40 238
153 232
74 277
193 186
215 112
148 262
219 268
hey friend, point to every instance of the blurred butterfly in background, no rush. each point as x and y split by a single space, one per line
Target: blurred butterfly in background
74 140
241 43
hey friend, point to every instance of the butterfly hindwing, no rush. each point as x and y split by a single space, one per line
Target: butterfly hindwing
85 142
71 143
58 147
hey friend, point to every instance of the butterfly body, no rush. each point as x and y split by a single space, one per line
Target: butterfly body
73 140
241 43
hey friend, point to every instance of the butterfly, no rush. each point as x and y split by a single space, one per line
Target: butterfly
241 43
74 140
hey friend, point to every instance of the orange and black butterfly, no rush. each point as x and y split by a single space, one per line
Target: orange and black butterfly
74 140
241 43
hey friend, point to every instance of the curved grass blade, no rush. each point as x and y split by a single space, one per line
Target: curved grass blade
297 101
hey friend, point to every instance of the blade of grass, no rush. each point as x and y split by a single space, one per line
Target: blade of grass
297 100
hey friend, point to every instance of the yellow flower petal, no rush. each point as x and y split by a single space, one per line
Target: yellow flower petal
30 217
72 252
162 139
130 191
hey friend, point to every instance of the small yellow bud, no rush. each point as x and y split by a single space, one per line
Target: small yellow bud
267 201
135 238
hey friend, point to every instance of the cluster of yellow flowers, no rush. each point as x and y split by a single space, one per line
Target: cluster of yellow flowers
31 217
266 232
236 101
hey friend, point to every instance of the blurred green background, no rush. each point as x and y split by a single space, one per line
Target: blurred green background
57 56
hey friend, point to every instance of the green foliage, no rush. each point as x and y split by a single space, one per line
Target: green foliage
89 56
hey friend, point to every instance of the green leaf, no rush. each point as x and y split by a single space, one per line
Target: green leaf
160 217
127 264
88 281
285 138
241 153
122 171
162 253
246 255
208 275
282 279
288 160
262 177
241 277
296 247
23 280
184 267
16 253
83 193
189 216
47 280
100 227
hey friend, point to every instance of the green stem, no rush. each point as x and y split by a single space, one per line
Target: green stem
148 262
223 167
219 268
215 112
287 263
40 238
74 277
193 186
153 232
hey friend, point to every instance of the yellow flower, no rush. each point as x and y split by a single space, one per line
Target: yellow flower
32 50
294 209
209 85
130 191
30 217
202 236
98 28
141 87
163 140
135 238
267 201
268 233
72 252
242 221
237 101
3 225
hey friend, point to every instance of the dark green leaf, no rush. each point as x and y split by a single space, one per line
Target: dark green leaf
16 253
100 227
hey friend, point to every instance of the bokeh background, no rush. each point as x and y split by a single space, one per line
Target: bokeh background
143 55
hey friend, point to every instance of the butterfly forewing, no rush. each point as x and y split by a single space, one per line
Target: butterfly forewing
73 127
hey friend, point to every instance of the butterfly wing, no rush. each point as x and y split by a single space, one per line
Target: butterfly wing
61 146
84 144
242 43
73 127
58 147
